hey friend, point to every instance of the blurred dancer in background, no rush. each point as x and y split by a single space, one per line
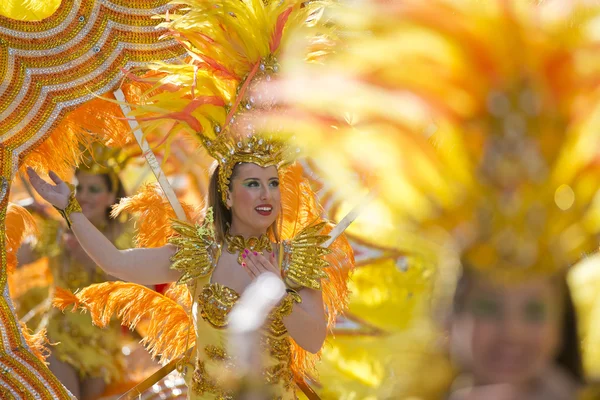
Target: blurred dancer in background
85 357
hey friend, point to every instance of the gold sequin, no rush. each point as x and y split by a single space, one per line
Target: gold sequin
239 244
202 383
72 207
22 372
197 250
216 353
216 302
303 258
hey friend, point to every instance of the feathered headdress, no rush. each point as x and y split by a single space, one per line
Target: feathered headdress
233 46
476 124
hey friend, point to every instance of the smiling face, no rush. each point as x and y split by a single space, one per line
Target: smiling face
94 196
254 199
508 333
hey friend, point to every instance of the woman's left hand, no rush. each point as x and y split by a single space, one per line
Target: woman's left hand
256 263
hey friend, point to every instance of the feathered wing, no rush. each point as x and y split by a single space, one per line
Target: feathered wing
169 330
495 158
513 141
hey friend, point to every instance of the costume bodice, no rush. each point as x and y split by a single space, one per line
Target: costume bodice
301 261
213 304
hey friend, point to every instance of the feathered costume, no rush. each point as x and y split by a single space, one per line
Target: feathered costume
90 351
476 125
232 46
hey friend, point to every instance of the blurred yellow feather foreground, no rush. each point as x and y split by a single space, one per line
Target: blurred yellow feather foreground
477 124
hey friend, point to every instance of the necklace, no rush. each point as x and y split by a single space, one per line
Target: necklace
239 243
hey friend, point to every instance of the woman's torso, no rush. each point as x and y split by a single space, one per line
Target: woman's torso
216 295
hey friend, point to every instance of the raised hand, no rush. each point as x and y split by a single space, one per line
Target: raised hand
57 194
255 263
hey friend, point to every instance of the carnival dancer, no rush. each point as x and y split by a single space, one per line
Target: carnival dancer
261 215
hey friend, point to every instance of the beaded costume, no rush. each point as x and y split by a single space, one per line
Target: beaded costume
93 352
56 55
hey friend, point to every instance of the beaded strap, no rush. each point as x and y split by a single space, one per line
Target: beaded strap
72 207
287 304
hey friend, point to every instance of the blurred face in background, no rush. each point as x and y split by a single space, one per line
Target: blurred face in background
507 333
94 196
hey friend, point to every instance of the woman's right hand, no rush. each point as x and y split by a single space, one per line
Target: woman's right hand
57 195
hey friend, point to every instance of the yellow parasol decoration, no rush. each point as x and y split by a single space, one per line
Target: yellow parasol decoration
55 57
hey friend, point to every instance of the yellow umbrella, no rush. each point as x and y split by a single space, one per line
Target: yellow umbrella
54 57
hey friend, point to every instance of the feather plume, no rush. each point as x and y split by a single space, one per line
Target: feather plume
226 41
169 329
300 209
34 275
154 215
37 342
516 141
19 225
298 201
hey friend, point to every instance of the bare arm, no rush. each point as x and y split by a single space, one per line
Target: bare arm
307 324
144 266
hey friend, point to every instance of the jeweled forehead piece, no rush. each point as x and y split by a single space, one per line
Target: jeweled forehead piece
262 150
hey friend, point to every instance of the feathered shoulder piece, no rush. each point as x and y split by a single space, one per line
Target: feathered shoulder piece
198 250
303 259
